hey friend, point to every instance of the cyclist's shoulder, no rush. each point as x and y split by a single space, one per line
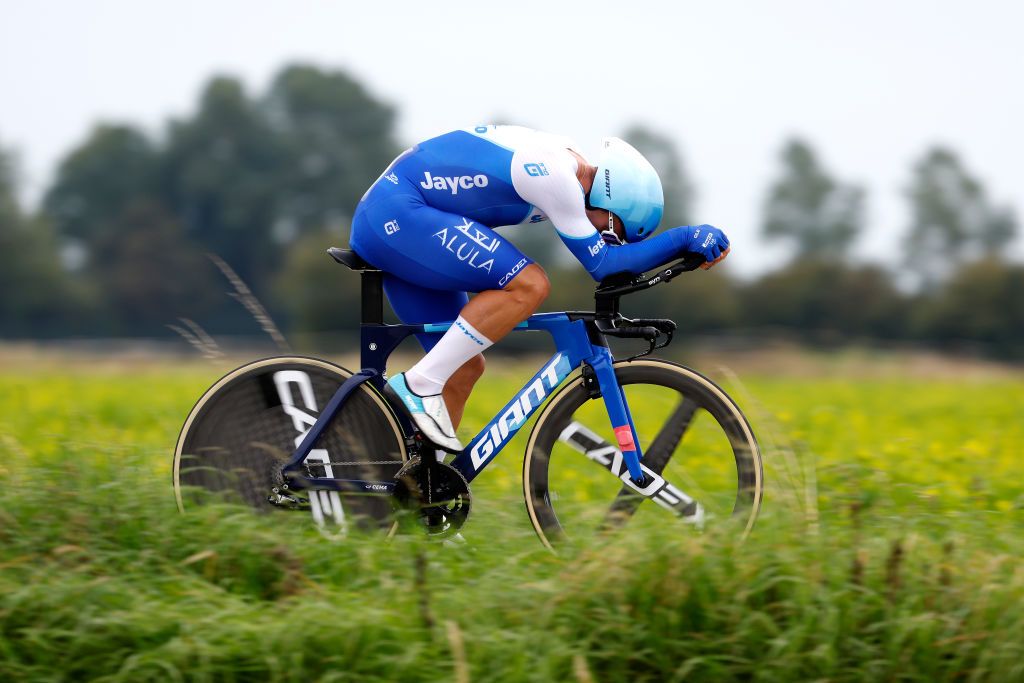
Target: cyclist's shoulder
544 171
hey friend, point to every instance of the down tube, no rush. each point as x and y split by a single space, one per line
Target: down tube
492 438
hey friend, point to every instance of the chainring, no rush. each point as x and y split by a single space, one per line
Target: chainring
439 506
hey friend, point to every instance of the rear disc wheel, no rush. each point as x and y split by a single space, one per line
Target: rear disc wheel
248 424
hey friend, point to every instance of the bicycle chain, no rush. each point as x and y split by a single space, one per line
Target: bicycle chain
317 463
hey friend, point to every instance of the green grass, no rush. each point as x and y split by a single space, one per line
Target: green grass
889 550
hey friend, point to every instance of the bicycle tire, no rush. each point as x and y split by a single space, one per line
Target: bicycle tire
239 433
546 452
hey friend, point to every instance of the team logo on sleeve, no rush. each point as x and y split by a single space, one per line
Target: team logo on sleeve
452 183
536 169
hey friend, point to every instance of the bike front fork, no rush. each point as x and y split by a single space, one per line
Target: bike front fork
618 412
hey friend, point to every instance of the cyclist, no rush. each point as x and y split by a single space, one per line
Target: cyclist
428 221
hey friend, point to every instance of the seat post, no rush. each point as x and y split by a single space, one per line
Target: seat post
372 297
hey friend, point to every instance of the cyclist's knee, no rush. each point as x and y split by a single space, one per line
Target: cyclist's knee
531 286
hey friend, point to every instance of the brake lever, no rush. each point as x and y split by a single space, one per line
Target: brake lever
668 339
652 345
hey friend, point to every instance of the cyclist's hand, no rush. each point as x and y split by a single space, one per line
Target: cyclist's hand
708 241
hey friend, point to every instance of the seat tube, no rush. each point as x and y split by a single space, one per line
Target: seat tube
618 411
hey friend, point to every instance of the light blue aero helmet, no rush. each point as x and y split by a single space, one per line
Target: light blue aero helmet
628 186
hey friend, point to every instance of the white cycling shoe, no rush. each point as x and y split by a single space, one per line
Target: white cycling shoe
430 414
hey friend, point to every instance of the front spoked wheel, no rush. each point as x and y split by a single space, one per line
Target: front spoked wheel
699 453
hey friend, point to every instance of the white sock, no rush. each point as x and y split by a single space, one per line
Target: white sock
461 342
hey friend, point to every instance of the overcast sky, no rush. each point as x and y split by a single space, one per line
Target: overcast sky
871 84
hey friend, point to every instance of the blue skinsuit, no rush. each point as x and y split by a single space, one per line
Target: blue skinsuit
428 220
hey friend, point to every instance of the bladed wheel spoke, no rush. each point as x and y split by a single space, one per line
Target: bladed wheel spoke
655 459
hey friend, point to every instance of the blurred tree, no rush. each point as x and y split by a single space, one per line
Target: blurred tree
818 215
827 301
663 154
140 267
317 294
222 175
114 167
35 295
982 305
952 221
154 274
242 177
339 138
10 209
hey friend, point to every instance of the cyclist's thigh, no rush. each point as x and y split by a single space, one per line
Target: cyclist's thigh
414 304
433 249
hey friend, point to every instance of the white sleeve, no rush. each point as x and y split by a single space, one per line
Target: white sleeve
547 179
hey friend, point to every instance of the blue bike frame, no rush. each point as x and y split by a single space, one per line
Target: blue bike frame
576 345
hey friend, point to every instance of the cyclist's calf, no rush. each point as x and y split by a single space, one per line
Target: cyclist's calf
460 385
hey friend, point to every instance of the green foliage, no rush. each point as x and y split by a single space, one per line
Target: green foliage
115 166
339 139
819 216
911 572
222 172
243 177
827 301
10 209
35 294
952 220
318 294
154 275
981 304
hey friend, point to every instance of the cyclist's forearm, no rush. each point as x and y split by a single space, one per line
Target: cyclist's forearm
602 260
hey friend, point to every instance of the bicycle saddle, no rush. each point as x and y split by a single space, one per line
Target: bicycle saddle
349 258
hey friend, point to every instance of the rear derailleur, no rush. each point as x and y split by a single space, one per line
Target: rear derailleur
281 495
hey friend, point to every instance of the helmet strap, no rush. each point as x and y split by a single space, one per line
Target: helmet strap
611 237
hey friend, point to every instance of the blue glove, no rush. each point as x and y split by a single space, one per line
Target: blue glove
706 240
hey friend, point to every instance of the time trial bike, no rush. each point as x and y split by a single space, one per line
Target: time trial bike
637 441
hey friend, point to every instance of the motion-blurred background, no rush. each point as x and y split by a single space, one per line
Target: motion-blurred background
864 158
